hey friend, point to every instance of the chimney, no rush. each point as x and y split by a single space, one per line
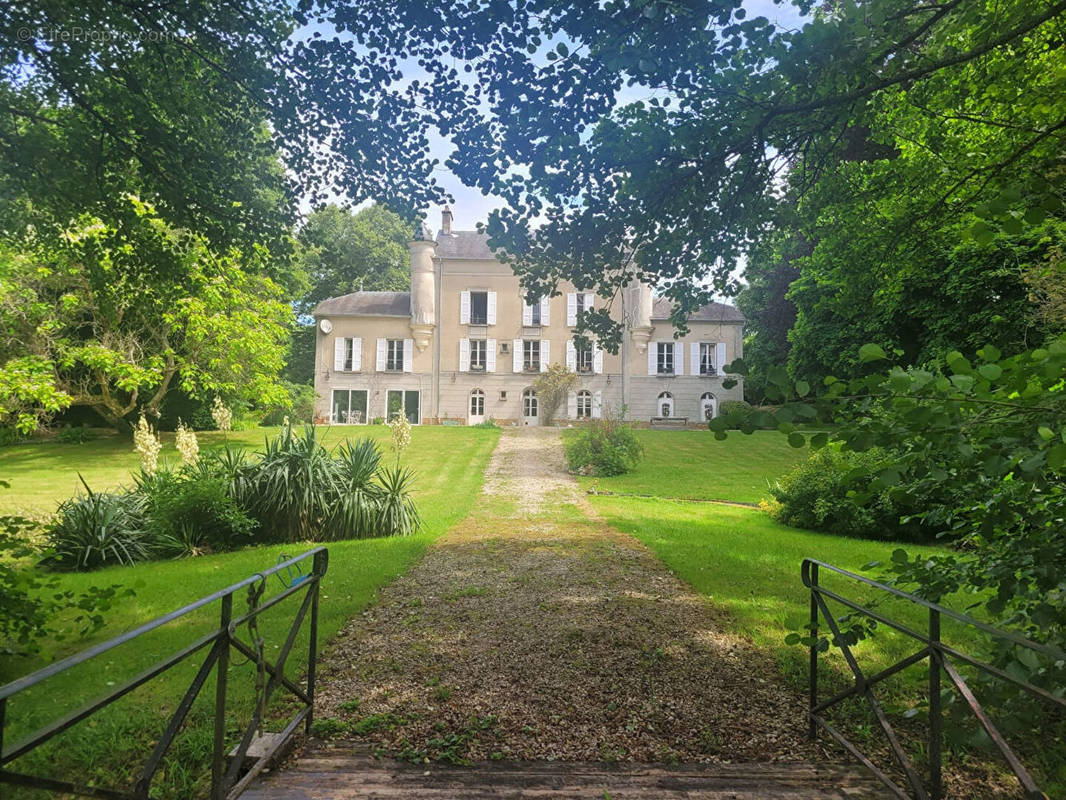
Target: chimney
446 221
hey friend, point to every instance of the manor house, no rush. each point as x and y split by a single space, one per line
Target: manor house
464 346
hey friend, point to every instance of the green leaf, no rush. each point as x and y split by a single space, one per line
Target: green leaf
899 556
819 440
990 372
871 352
1046 433
989 353
803 388
792 639
796 439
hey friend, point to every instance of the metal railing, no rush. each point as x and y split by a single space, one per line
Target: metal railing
942 659
226 782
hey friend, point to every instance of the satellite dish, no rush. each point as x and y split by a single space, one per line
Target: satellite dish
325 325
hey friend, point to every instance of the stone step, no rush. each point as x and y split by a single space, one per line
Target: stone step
339 774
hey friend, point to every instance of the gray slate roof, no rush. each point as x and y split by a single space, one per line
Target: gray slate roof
712 312
381 304
464 244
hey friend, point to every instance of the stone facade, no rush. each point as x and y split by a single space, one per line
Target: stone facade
432 350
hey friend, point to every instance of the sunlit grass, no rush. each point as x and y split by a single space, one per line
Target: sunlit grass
449 465
694 465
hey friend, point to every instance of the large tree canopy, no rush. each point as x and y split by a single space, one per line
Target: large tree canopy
341 252
686 178
111 316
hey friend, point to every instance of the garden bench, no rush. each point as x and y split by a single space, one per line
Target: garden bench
669 423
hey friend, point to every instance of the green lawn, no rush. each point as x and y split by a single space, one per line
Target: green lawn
694 465
449 463
42 474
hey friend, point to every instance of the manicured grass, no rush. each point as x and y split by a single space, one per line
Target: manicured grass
694 465
449 465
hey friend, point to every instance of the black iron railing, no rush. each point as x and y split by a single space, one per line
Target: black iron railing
226 781
942 661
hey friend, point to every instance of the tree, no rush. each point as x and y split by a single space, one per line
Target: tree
769 312
342 252
113 316
551 387
674 187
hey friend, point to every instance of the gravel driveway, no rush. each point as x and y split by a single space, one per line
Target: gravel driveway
534 631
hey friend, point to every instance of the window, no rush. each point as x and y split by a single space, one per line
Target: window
349 407
584 404
708 406
531 356
347 355
405 401
534 314
478 349
529 403
583 360
582 303
665 359
477 403
707 365
479 308
394 355
665 404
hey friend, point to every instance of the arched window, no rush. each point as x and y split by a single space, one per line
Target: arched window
477 403
584 404
665 404
708 406
529 403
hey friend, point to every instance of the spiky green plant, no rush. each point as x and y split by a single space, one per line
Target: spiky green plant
97 529
397 514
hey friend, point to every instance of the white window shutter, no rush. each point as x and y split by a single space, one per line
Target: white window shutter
408 355
719 357
571 405
653 358
571 309
491 314
464 355
338 354
490 355
527 314
464 308
679 354
589 299
545 355
597 360
517 355
694 358
545 308
357 354
597 405
571 356
381 355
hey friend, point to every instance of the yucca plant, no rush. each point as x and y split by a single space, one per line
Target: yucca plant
97 529
294 486
356 511
396 513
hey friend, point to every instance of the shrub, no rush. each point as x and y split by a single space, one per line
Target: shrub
98 529
75 435
396 512
298 405
604 447
191 511
488 423
734 412
830 492
293 486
